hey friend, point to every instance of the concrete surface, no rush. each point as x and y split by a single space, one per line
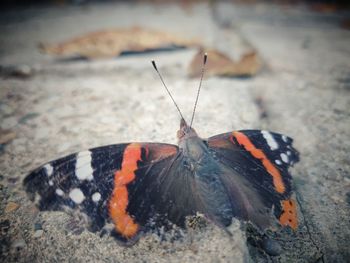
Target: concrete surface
63 107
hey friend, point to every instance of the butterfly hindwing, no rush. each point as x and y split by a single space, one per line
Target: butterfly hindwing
263 158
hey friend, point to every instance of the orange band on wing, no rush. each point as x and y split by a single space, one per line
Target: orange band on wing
124 223
243 140
289 214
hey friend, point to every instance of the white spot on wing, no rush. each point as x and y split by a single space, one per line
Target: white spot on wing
59 192
96 197
278 162
49 169
37 198
50 183
83 169
270 140
289 153
77 196
284 138
284 157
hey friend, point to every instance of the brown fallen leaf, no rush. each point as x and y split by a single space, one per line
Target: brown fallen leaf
111 43
345 24
11 206
219 64
6 136
326 8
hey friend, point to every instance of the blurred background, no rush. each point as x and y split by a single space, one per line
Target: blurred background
338 3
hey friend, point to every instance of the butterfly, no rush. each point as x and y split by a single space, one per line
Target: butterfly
138 187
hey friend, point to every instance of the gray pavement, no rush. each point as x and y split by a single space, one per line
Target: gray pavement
65 107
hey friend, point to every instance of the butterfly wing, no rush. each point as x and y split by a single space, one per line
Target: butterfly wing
103 183
263 159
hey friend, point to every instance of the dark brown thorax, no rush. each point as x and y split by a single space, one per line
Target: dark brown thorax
190 143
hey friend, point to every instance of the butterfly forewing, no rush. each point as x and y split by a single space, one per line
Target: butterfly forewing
98 182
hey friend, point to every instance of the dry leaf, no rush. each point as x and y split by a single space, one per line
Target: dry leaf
11 206
6 136
345 24
324 7
111 43
219 64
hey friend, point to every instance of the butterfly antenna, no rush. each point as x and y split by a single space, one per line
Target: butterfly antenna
160 76
199 88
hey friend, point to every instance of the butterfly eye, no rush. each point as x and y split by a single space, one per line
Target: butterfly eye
180 134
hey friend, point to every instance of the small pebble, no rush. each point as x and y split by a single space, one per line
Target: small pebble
4 227
11 206
23 71
271 247
28 117
19 243
38 233
74 226
42 133
348 197
336 198
17 71
38 226
6 136
8 123
12 180
6 110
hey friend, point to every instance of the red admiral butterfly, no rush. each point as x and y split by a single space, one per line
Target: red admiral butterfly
141 186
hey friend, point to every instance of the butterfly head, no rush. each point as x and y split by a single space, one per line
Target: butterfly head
185 131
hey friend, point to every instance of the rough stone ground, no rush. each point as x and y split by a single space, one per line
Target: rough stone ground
65 107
